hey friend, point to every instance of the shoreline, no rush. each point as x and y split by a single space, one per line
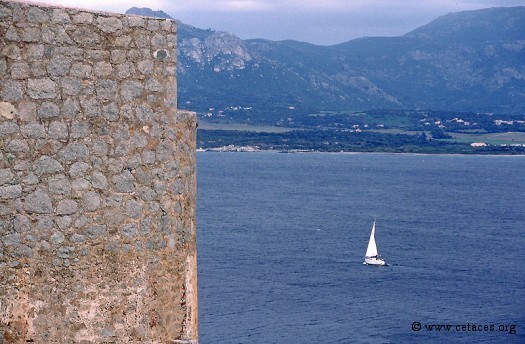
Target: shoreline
202 150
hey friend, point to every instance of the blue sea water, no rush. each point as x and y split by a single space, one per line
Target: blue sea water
281 241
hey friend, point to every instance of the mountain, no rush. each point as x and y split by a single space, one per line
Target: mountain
148 12
470 61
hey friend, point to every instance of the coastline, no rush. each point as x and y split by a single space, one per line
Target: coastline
218 150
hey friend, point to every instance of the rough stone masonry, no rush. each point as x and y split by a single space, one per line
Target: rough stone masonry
97 180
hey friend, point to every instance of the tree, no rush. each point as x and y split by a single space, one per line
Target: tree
439 133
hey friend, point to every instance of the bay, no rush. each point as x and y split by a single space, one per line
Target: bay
281 241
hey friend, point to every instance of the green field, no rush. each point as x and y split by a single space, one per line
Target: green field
491 138
242 127
496 139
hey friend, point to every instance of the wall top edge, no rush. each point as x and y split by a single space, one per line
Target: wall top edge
105 13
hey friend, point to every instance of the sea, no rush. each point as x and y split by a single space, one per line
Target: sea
281 242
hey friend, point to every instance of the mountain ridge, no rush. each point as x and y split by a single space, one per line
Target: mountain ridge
462 61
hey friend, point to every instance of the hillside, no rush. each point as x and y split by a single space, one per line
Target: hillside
458 80
467 61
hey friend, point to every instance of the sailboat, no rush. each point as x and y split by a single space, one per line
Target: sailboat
372 256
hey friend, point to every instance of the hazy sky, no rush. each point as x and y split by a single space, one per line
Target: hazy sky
322 22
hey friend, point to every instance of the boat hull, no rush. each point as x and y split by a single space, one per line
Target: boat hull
374 261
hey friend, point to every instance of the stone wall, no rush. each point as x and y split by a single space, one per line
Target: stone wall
97 180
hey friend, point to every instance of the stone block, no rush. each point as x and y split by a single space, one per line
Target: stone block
57 238
41 88
60 16
131 89
3 66
106 89
32 34
129 230
74 152
118 56
83 18
144 113
10 192
111 112
66 252
159 41
102 69
58 130
7 110
135 21
109 24
90 107
64 222
71 87
153 25
79 185
67 207
81 70
154 85
96 231
99 181
19 70
47 165
59 185
48 110
34 131
134 209
59 66
36 15
124 182
79 169
30 179
77 238
80 130
11 90
124 70
6 176
44 222
16 146
34 52
71 108
23 251
83 36
123 41
91 201
8 128
38 202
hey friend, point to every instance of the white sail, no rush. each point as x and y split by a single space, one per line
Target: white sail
372 248
371 255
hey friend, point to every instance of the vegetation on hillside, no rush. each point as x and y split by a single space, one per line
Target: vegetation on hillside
396 131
